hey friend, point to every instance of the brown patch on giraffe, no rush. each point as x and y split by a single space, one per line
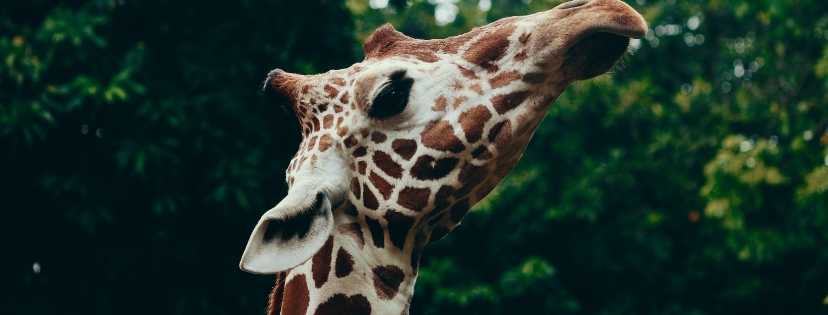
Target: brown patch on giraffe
344 98
378 137
296 297
387 164
414 198
353 230
339 304
459 210
441 199
428 168
501 134
360 152
274 300
325 142
477 88
452 45
362 165
316 123
398 227
342 131
468 74
376 232
440 104
472 122
355 188
506 102
385 188
368 198
344 263
338 81
338 109
534 77
487 50
482 153
327 121
350 141
331 90
311 144
424 55
440 135
521 56
504 78
524 38
472 174
387 280
404 147
458 101
321 264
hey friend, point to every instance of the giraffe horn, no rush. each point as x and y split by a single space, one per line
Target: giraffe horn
382 39
282 84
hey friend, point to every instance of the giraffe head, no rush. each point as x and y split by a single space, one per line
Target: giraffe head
402 144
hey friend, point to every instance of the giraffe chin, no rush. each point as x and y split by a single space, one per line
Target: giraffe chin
288 235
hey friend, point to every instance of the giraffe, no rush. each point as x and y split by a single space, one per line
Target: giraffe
397 148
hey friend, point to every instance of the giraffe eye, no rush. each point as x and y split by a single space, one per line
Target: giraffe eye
392 97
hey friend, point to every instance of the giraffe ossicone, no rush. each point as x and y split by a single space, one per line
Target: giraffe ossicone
397 148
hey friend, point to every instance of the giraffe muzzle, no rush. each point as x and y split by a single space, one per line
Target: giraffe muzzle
602 31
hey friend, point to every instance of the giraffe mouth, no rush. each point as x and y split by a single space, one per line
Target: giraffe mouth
595 54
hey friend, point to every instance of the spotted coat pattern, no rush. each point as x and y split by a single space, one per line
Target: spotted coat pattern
475 102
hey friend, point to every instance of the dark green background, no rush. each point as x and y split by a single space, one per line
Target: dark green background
137 153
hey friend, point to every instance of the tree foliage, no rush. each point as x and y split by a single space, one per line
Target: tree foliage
692 180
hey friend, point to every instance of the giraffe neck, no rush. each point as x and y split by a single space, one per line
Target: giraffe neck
355 272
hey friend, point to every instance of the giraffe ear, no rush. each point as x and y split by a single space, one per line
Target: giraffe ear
382 39
289 234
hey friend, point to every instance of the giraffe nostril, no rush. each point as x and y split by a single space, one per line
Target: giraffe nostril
572 4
